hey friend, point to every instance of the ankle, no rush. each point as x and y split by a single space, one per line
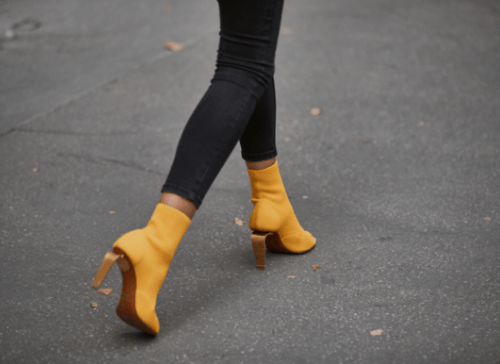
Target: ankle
182 204
261 164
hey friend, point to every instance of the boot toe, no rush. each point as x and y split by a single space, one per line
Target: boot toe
299 243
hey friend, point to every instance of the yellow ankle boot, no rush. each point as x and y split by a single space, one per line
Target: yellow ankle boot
273 221
144 257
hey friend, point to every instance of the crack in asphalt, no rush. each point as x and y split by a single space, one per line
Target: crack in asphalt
76 133
102 85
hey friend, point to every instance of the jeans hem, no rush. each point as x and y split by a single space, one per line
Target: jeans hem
183 192
258 157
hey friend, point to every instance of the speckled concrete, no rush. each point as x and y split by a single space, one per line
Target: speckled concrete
398 179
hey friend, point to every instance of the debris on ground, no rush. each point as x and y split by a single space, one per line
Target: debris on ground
173 46
376 332
105 291
238 221
316 266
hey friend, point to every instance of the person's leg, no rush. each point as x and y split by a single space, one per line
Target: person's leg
245 67
258 145
273 220
180 203
256 166
258 142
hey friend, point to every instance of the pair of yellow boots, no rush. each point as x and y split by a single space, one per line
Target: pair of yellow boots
144 255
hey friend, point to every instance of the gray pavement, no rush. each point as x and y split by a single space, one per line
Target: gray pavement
398 179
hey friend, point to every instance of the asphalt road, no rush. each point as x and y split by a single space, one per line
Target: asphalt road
397 178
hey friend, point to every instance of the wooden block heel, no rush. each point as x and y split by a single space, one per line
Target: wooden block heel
108 261
259 248
270 241
126 308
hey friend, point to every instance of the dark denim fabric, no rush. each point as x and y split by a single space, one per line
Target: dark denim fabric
240 103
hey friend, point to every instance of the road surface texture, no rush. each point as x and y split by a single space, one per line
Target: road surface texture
398 179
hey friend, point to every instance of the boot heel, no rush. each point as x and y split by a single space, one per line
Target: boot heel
108 261
259 249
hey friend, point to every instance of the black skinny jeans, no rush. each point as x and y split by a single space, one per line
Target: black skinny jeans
239 104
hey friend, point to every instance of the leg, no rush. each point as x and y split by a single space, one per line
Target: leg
255 166
258 142
180 203
245 67
258 145
273 219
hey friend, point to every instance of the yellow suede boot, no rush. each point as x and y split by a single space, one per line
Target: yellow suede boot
144 256
273 221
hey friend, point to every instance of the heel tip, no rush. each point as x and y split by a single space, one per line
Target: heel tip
261 267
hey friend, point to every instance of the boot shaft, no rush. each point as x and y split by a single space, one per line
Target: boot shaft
267 184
